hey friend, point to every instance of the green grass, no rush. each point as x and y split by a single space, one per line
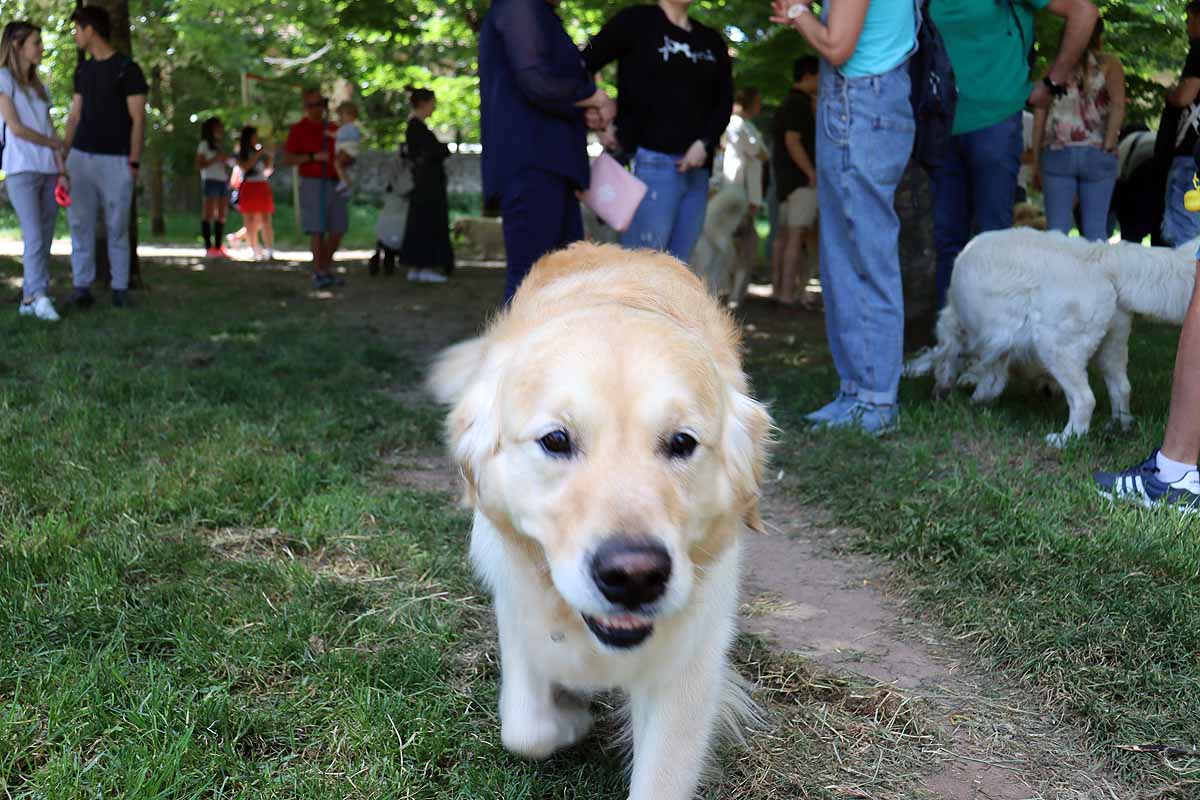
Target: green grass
211 584
1096 609
184 226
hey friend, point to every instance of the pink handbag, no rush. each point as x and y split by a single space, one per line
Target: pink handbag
614 192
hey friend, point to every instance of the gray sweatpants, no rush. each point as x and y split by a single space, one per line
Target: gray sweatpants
32 197
99 181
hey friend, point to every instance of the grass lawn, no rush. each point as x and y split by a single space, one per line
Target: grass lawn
1096 609
212 584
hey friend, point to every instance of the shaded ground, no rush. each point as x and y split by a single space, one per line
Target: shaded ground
804 594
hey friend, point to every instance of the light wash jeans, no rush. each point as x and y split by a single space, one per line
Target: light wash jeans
32 197
864 139
1082 171
671 216
99 181
1180 225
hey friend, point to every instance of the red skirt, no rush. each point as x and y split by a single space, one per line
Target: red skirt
256 197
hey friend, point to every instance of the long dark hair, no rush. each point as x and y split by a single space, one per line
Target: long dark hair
208 131
244 147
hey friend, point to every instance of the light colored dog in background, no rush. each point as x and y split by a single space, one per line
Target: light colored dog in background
717 258
613 456
1029 299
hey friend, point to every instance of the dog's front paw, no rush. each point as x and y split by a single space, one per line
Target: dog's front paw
537 736
1122 423
1061 440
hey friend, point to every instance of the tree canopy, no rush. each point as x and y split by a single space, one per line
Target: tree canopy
195 53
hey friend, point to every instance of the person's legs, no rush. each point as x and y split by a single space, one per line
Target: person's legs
1097 177
253 226
689 216
793 248
1059 182
654 221
952 213
313 222
1182 439
27 193
532 213
268 231
116 193
222 210
82 214
1178 224
994 160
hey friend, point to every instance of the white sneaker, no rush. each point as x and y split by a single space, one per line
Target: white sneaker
430 276
42 308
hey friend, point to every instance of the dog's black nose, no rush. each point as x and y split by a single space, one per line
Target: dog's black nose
631 572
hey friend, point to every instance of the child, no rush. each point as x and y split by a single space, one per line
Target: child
347 144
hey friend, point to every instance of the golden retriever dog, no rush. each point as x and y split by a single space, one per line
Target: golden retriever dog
612 455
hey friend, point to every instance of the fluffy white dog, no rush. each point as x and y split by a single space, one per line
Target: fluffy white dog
1025 299
613 457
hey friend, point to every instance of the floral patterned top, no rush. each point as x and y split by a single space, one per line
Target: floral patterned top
1080 117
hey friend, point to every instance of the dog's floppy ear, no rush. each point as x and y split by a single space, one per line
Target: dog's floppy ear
744 449
461 378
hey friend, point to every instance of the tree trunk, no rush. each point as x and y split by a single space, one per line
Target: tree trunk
918 258
158 223
118 12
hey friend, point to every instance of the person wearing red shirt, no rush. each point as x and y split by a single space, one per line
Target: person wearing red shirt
324 213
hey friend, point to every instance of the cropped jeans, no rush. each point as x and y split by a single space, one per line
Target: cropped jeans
865 134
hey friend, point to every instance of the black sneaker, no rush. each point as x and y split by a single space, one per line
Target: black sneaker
1141 483
121 298
322 280
81 298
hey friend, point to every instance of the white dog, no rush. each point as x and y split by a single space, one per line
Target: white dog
716 258
612 455
1024 298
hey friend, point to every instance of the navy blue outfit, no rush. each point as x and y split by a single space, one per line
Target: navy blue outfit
531 75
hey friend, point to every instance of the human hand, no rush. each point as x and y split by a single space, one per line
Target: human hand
784 13
593 119
1040 97
696 156
321 157
608 138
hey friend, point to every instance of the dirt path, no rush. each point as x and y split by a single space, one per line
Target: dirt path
802 592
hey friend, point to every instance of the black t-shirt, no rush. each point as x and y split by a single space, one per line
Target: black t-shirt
105 124
796 114
674 86
1189 116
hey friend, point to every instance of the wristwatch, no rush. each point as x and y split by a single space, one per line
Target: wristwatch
1056 89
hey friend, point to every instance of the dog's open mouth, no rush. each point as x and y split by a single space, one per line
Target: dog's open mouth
620 630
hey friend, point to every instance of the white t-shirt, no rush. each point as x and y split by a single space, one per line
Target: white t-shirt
215 171
21 155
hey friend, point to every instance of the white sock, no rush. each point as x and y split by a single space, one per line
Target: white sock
1170 471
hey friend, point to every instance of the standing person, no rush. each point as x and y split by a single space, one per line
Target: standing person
105 135
1075 140
1183 110
32 160
256 201
743 161
975 185
426 248
796 182
675 84
324 212
865 135
211 161
536 103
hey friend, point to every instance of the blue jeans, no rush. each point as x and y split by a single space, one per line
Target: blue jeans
1180 225
864 138
671 215
32 197
974 189
1085 172
540 214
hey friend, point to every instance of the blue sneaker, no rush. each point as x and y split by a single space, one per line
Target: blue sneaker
831 411
322 281
869 418
1141 483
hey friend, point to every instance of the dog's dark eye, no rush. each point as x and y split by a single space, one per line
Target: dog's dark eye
681 445
557 443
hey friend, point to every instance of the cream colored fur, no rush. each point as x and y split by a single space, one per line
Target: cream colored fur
1032 300
621 350
716 259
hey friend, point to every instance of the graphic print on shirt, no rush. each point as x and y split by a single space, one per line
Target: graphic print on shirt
671 47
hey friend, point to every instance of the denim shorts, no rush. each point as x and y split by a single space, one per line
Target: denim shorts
214 188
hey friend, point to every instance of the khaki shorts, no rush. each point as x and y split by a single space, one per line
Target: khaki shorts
800 208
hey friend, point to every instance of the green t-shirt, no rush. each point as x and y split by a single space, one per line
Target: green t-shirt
988 42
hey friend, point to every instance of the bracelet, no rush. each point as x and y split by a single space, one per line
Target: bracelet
1056 89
